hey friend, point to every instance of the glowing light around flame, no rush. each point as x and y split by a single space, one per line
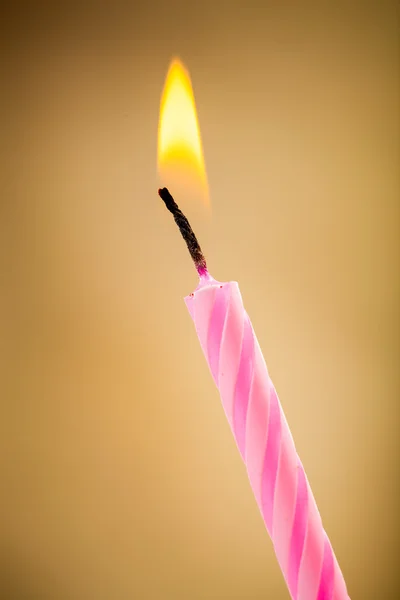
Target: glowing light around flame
180 151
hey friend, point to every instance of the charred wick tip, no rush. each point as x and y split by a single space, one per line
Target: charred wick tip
168 199
186 231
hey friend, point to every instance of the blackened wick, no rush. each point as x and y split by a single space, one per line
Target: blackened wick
186 231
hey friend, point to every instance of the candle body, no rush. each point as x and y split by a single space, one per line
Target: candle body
264 440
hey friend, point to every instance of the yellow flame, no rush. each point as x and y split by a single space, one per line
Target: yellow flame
180 151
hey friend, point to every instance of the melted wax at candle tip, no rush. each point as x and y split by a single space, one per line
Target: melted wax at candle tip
204 276
205 279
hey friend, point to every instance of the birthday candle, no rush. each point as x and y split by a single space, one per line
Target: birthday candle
260 429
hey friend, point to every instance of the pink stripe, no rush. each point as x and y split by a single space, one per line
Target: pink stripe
257 423
284 497
230 351
327 581
271 459
215 329
311 561
298 532
242 389
202 307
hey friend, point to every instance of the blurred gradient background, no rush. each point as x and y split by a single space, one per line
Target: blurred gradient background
119 473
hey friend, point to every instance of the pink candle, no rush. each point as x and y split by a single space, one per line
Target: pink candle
260 429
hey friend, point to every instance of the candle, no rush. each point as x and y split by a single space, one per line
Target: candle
260 429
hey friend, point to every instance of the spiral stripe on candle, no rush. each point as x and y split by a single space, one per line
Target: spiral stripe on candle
325 591
257 426
217 320
264 440
230 350
309 575
243 384
271 460
284 498
299 531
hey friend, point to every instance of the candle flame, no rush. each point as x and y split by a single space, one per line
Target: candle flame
180 150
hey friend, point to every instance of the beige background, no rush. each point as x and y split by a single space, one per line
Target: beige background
120 476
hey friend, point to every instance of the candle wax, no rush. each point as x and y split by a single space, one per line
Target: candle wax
262 434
